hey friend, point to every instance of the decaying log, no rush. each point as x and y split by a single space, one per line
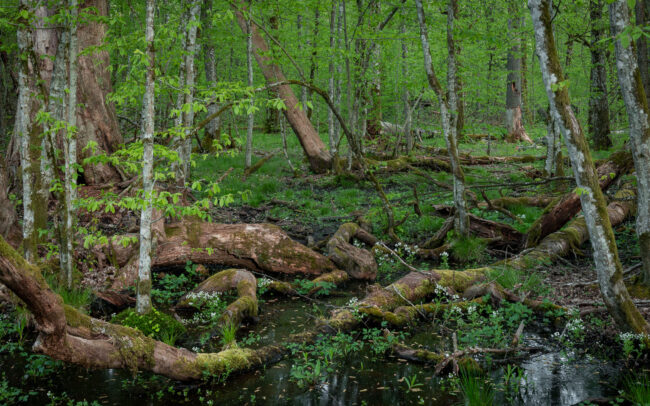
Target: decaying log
240 279
560 212
256 247
357 262
501 235
510 202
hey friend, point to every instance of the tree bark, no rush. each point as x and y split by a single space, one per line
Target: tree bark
642 12
607 263
143 304
96 117
319 158
183 145
251 115
631 82
598 105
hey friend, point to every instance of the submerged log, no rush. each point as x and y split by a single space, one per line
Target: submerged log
558 213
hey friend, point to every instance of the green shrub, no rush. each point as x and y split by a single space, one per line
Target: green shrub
154 324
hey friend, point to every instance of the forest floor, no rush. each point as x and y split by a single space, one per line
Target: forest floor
575 361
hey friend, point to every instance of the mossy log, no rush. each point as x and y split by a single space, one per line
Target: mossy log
359 263
257 247
558 213
510 202
240 279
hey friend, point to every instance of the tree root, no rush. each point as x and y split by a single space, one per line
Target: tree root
357 262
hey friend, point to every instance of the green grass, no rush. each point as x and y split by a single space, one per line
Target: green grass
526 280
467 250
78 298
637 389
476 390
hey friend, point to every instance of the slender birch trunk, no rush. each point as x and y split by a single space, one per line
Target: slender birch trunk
594 207
448 114
70 152
24 129
251 115
331 130
184 145
143 301
634 96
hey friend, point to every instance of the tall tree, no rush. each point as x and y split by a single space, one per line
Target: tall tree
319 158
598 103
143 301
642 13
630 79
447 108
183 144
251 114
607 263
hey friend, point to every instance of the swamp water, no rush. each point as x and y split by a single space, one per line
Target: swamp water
359 378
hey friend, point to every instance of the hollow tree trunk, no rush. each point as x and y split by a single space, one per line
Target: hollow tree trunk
514 122
607 263
630 79
319 158
598 105
447 106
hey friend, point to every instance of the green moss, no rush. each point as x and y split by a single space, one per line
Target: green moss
153 324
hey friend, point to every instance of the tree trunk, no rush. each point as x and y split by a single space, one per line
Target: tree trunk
96 117
212 130
183 145
514 122
447 107
331 127
319 158
28 132
630 79
608 266
642 11
143 304
552 146
598 104
251 115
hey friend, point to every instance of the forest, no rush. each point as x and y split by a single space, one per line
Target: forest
239 202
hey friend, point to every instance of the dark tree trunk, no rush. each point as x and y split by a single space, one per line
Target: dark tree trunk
598 105
514 120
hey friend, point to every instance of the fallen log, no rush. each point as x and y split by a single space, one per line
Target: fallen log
357 262
559 212
68 335
256 247
240 279
501 236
